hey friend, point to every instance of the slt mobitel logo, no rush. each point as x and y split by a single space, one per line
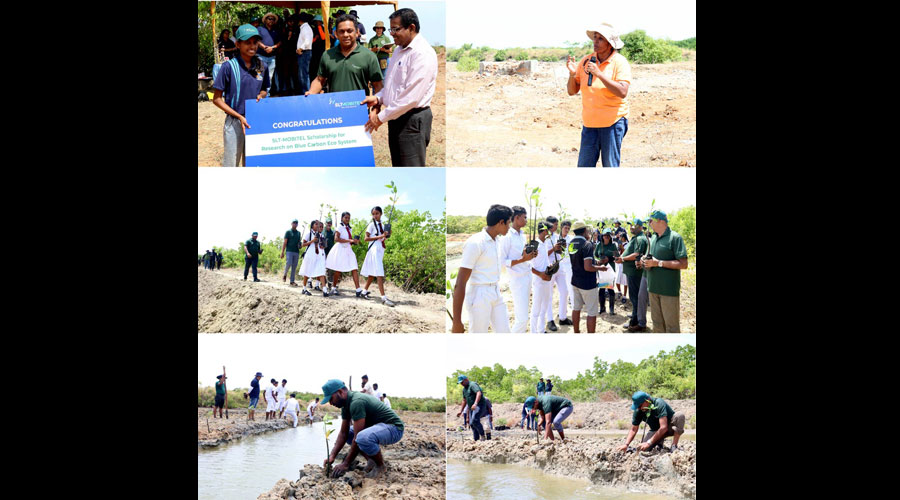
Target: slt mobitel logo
342 105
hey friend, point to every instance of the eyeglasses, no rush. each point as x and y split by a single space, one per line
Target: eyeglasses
394 30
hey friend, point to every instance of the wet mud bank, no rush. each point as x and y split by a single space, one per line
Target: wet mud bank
212 432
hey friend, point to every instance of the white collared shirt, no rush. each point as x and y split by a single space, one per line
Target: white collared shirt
481 255
281 390
511 247
541 262
292 406
564 258
411 79
305 38
387 402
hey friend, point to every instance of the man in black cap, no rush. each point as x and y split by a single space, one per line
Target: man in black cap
220 395
359 26
253 395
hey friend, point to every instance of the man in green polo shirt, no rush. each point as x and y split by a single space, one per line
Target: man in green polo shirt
347 66
637 282
292 246
473 404
554 409
668 256
252 249
381 45
373 424
329 243
660 417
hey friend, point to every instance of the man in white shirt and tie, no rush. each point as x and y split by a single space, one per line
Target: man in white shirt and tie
518 265
404 102
304 51
477 283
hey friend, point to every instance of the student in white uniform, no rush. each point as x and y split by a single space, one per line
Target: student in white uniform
313 265
540 281
373 266
311 410
565 268
282 397
341 259
518 266
272 399
385 400
291 406
559 279
377 393
366 388
477 283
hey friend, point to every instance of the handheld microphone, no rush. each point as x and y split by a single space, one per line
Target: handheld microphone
591 78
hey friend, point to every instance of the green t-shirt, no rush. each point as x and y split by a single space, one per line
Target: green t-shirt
293 240
637 244
361 405
380 41
666 281
552 404
253 247
329 240
353 72
220 388
470 392
609 251
658 408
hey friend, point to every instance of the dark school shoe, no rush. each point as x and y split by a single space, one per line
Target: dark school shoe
306 292
552 326
566 321
256 280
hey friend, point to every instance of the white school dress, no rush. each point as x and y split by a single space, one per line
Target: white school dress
374 263
313 264
341 258
621 279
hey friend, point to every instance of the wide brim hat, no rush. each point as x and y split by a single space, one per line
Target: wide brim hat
379 24
273 15
579 224
607 31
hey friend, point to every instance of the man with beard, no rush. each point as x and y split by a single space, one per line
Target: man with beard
374 424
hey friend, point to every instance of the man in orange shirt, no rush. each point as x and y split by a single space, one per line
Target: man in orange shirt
603 78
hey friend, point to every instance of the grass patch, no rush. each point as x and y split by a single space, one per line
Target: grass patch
466 64
621 425
693 422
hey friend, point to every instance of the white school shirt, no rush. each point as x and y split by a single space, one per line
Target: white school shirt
387 402
411 79
511 247
312 404
564 261
368 390
270 394
541 262
312 248
378 395
281 390
305 39
481 255
372 229
292 406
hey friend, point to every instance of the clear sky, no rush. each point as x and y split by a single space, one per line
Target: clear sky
603 192
564 355
401 365
510 23
232 203
431 15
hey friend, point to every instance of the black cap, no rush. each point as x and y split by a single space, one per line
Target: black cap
365 376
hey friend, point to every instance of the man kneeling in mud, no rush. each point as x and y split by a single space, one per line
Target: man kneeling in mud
660 417
554 409
373 424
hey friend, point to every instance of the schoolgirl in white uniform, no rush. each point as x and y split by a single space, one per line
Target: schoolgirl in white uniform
313 265
373 266
341 259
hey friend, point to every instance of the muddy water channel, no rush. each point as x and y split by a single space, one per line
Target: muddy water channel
471 481
250 466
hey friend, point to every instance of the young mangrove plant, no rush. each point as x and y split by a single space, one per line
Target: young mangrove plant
326 419
533 198
394 198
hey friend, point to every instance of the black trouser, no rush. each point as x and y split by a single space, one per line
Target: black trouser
408 136
612 299
218 264
248 262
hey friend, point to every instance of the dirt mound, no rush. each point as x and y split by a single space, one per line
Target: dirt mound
226 303
416 469
592 458
546 132
215 431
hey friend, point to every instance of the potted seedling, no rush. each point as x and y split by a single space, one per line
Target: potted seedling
326 420
394 198
534 204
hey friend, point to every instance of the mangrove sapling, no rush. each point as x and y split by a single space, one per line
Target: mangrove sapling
393 188
534 203
326 419
449 292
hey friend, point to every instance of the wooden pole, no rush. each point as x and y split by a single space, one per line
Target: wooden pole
351 383
212 15
326 5
225 384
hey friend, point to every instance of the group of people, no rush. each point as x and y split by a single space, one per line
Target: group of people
211 260
648 267
401 98
277 400
327 254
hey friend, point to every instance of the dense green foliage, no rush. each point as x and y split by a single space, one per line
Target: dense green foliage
206 398
687 43
413 259
500 55
467 63
467 224
642 49
684 222
671 375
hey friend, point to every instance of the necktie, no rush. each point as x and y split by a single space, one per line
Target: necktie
380 231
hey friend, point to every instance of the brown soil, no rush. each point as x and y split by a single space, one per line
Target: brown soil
215 431
606 323
226 303
415 469
491 116
210 120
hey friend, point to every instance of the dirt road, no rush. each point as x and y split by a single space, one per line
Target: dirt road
227 303
416 469
606 323
511 120
210 120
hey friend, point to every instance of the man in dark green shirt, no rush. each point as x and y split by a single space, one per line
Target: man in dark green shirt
347 66
553 409
373 424
637 282
668 256
292 246
381 45
473 404
660 417
252 248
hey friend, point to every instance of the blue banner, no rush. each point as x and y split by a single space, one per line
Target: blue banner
322 130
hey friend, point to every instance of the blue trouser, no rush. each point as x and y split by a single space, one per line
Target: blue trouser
634 290
604 143
370 437
270 64
527 419
560 416
475 423
303 70
248 262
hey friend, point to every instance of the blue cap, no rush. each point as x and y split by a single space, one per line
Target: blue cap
246 32
658 214
258 374
530 401
460 378
318 17
295 221
638 398
331 387
638 222
254 234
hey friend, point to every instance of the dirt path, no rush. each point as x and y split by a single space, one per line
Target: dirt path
210 120
511 120
606 323
212 432
416 469
227 303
